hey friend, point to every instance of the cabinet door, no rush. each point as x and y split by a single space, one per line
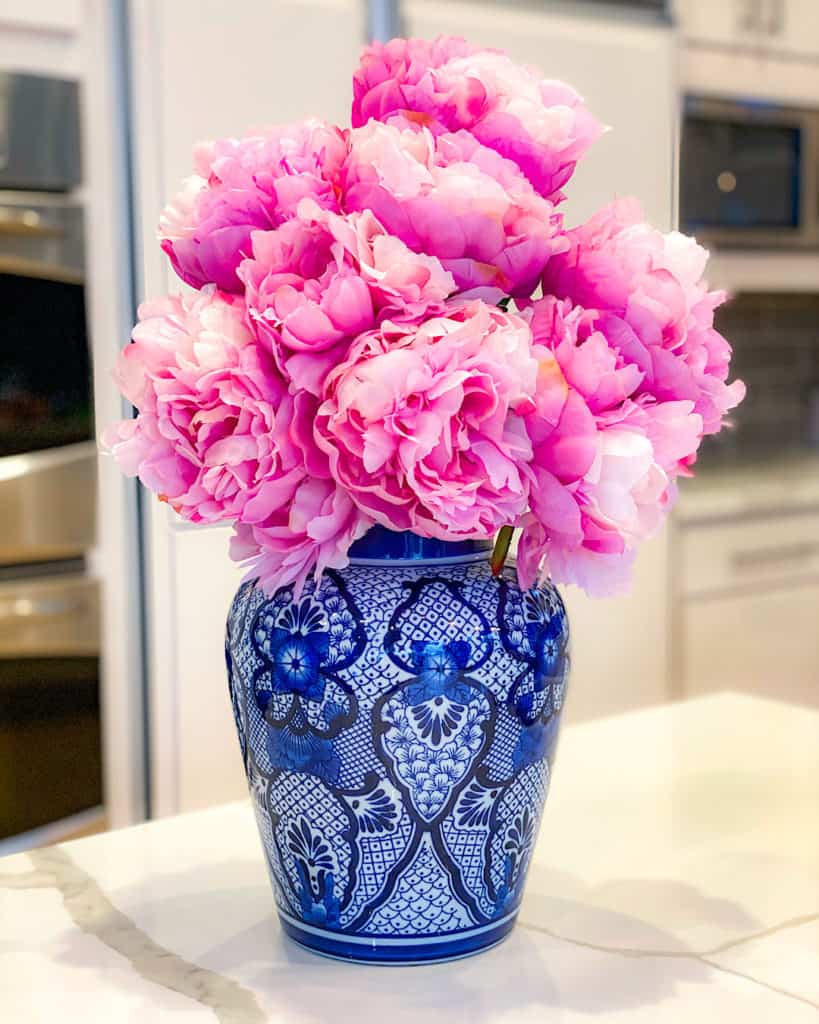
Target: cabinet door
778 26
794 26
43 15
765 643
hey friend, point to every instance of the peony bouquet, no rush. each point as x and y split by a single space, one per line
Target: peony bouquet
391 324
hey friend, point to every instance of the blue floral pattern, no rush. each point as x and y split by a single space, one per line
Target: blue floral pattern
397 726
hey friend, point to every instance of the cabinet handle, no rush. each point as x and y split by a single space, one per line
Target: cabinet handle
776 17
750 16
762 557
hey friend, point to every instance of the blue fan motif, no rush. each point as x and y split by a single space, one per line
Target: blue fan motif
475 805
315 866
378 810
437 720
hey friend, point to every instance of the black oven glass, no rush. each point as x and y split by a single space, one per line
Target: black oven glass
45 373
739 174
50 753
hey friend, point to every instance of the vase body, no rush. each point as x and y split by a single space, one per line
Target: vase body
398 728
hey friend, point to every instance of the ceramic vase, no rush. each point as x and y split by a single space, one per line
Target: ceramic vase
398 727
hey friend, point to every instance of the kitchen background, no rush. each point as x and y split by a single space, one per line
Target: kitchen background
113 701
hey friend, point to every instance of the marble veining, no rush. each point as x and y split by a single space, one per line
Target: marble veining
685 892
630 951
93 912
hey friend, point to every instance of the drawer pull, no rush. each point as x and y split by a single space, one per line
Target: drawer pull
765 557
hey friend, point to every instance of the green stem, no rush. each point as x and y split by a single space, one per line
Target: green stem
501 549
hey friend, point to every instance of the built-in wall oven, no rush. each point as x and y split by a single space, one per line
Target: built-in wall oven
749 174
49 605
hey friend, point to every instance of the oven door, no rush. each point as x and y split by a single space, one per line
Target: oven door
50 752
47 455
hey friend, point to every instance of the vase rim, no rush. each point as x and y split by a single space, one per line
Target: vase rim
380 544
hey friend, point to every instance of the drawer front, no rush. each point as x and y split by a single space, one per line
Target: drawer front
764 550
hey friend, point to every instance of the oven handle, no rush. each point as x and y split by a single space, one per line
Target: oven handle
40 608
35 268
26 223
771 556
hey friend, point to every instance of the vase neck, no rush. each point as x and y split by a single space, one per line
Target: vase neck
382 545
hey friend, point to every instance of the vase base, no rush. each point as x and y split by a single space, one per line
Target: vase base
397 952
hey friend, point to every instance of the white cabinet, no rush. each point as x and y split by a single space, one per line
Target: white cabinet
43 15
796 26
728 21
764 642
747 607
767 26
208 766
620 645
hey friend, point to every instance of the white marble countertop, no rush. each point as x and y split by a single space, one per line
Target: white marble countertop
676 879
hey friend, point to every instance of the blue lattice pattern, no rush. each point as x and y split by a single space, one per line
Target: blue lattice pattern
423 902
468 848
397 727
378 855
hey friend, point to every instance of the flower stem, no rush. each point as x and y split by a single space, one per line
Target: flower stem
501 549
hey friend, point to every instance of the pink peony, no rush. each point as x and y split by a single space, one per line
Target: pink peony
586 343
588 531
243 185
318 281
402 283
655 310
423 424
311 534
448 85
213 412
454 199
601 461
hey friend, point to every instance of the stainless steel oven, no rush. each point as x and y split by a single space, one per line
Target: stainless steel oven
50 767
50 761
749 174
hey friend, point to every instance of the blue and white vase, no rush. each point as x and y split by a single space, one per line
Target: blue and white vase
398 728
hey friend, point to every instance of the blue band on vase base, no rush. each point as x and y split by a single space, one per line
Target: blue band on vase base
405 951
